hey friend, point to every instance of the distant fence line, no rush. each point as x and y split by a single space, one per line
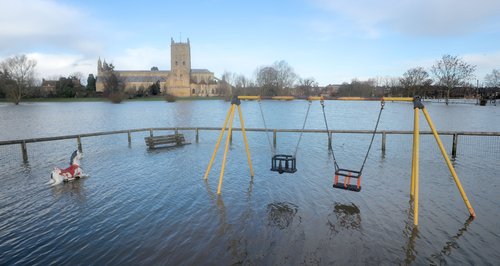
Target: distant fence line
129 132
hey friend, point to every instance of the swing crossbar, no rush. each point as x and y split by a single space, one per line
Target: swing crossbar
347 174
282 163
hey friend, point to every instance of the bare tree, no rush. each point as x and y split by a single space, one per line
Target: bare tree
452 71
78 76
357 88
389 84
21 70
226 84
414 78
493 79
114 85
241 81
306 86
267 80
285 77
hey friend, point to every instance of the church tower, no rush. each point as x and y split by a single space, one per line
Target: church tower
99 66
180 65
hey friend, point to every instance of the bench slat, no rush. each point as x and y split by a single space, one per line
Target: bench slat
175 140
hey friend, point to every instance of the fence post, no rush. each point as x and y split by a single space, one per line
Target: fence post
454 147
197 138
79 141
176 131
384 135
151 132
25 152
129 137
274 139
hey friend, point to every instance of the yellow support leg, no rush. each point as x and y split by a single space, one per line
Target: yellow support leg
416 136
230 130
245 140
415 141
218 142
448 162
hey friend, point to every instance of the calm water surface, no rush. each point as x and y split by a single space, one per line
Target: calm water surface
153 207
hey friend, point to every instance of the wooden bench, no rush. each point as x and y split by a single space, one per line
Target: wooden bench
165 141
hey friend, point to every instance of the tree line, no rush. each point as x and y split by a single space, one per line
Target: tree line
450 76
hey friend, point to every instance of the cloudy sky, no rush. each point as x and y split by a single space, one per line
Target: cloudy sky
333 41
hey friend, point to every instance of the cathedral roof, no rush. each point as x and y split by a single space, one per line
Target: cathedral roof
144 78
202 70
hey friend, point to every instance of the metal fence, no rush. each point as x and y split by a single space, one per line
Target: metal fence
492 138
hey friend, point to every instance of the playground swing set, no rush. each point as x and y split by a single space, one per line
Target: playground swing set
286 163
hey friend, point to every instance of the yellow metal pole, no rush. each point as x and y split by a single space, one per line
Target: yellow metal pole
415 171
230 130
397 99
218 142
350 98
415 126
315 98
249 97
283 98
245 140
448 162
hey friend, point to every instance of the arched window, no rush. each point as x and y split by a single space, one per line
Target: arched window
213 92
193 91
176 63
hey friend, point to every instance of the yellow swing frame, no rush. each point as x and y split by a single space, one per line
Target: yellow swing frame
414 185
235 102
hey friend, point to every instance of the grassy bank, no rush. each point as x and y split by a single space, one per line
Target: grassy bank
101 99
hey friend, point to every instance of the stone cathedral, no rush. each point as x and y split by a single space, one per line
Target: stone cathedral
180 81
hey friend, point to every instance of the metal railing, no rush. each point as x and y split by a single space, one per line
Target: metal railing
384 133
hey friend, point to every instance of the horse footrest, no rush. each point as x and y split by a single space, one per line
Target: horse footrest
347 174
282 163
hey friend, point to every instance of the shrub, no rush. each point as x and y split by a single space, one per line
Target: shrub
116 97
169 97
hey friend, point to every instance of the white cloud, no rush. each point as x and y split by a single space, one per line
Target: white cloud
417 17
55 65
36 24
484 62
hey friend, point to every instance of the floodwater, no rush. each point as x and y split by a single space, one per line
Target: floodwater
153 207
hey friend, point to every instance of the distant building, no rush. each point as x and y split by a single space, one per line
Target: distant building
180 81
48 87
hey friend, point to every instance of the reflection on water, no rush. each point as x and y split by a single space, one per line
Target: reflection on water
152 207
74 189
411 233
281 214
347 217
450 245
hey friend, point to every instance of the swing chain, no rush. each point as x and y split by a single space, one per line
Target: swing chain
382 104
303 126
329 136
273 150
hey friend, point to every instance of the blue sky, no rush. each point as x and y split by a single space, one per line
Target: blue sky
331 41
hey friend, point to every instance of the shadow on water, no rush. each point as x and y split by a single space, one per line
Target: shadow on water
219 203
347 217
412 233
237 245
281 214
450 245
74 189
